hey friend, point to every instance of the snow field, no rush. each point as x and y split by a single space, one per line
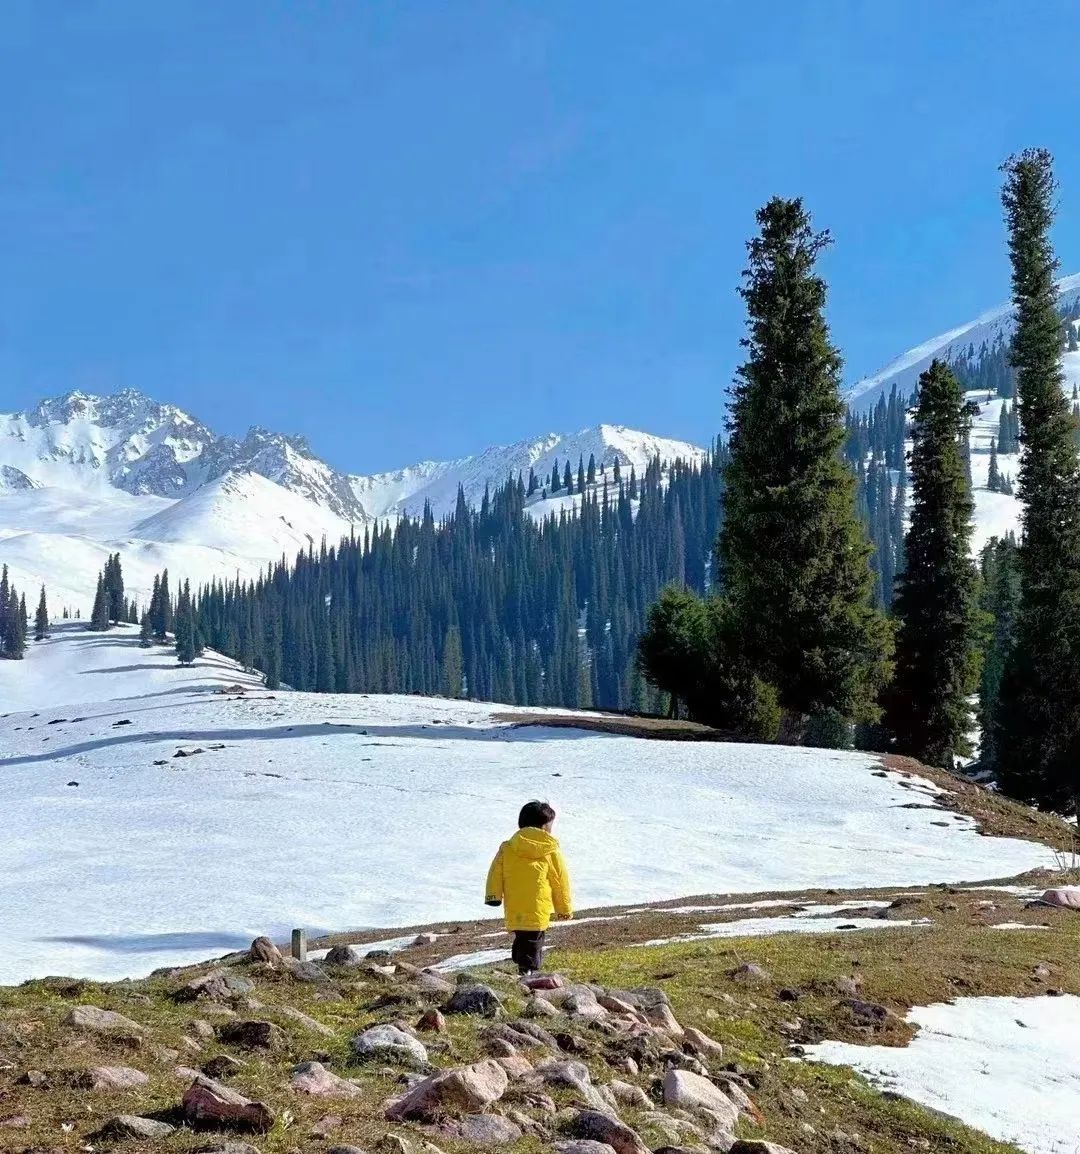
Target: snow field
335 813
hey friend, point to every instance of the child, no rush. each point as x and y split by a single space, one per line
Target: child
529 875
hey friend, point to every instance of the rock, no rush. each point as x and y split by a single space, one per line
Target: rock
480 1000
757 1146
36 1078
344 956
867 1013
702 1042
186 1073
432 983
629 1095
393 1144
110 1078
516 1067
200 1029
750 974
425 939
264 950
597 1127
222 1066
305 1020
209 1103
616 1005
583 1146
1064 897
693 1092
99 1021
315 1079
345 1150
307 972
253 1035
662 1017
15 1122
539 1036
391 1044
326 1125
544 982
483 1130
464 1089
216 986
849 987
132 1126
433 1022
539 1008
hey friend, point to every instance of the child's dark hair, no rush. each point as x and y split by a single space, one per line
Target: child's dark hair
535 815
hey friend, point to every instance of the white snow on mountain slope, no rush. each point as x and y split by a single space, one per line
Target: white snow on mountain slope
335 812
235 525
437 482
905 369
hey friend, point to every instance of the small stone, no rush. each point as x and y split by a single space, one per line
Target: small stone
425 939
544 982
693 1092
597 1127
484 1130
111 1078
629 1095
516 1067
185 1073
227 1148
750 974
36 1078
326 1125
253 1035
263 950
307 972
200 1029
315 1079
432 983
433 1022
757 1146
132 1126
345 1150
849 987
216 986
703 1043
583 1146
867 1013
99 1021
222 1066
480 1000
390 1044
15 1122
344 956
209 1103
539 1008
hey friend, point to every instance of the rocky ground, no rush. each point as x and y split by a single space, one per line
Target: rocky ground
692 1045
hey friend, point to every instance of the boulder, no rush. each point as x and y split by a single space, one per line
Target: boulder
540 1008
461 1090
99 1021
315 1079
583 1146
702 1043
662 1017
210 1104
302 1019
216 986
616 1006
433 1022
308 972
523 1029
428 982
597 1127
544 982
1064 897
253 1035
627 1094
344 956
132 1126
516 1067
390 1044
110 1078
425 939
480 1000
483 1130
263 950
222 1066
691 1091
200 1029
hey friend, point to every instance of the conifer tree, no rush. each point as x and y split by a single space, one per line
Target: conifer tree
13 641
114 589
802 606
41 618
937 657
185 627
146 635
1037 739
993 480
452 663
568 478
590 475
581 475
99 617
999 600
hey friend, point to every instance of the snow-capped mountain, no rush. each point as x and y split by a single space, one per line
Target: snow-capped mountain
129 441
904 370
85 476
405 491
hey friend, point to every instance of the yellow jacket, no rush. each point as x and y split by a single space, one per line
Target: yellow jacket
529 876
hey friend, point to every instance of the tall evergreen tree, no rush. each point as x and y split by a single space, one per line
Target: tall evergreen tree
999 599
937 656
993 478
1037 738
41 618
99 617
803 605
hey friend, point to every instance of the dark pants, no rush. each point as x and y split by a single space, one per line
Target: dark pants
527 951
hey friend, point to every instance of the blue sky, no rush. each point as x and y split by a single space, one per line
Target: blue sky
408 230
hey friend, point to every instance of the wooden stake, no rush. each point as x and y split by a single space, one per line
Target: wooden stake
299 945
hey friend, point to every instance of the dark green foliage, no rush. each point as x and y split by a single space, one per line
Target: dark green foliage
937 657
1037 723
99 616
999 600
185 627
453 663
146 635
116 606
12 620
673 646
161 608
994 478
41 618
795 558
